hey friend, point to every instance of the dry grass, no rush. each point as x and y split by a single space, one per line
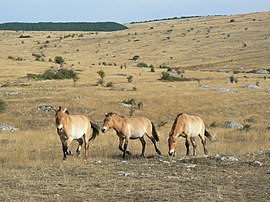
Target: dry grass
31 166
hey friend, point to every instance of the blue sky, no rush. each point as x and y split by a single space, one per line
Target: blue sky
122 11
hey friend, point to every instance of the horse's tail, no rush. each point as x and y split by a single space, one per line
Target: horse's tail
208 135
154 132
95 132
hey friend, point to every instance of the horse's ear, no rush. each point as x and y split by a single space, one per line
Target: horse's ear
106 114
66 111
59 109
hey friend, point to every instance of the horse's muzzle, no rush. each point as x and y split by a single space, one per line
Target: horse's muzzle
103 130
172 153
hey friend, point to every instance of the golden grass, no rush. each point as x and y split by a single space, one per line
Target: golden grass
209 44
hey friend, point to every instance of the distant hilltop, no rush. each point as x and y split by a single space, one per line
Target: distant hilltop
63 26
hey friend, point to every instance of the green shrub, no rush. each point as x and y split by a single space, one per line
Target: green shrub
142 64
247 127
101 74
109 84
59 60
165 76
3 105
54 75
135 57
130 78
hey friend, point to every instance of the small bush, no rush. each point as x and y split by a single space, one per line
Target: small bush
101 74
142 64
140 105
3 105
247 127
54 75
100 82
59 60
135 57
109 84
162 123
130 102
164 67
233 79
24 36
165 76
130 78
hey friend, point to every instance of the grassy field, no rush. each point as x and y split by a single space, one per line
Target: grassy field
208 49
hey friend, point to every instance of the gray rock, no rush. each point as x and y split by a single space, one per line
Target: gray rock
232 124
262 71
221 89
252 86
46 108
9 93
256 163
7 128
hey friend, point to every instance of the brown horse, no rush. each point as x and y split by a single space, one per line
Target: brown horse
131 128
189 127
74 127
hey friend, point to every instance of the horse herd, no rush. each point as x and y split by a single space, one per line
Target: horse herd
79 128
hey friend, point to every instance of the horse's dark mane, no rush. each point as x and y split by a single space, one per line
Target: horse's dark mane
112 113
175 122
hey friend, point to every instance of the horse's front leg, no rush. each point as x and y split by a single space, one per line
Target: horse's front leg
125 147
64 148
121 141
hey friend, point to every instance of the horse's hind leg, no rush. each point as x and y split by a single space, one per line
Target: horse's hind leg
204 144
155 144
192 139
143 146
80 141
187 146
86 145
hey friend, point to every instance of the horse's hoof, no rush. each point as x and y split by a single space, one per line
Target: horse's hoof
128 152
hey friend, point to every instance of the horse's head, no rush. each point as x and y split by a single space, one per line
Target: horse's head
60 118
108 122
172 143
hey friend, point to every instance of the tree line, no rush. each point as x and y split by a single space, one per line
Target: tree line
63 26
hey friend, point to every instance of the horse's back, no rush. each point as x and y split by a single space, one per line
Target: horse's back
191 124
138 126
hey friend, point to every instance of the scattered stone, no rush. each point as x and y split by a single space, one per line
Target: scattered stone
268 90
46 108
226 158
7 128
252 86
232 124
256 163
259 71
221 89
9 93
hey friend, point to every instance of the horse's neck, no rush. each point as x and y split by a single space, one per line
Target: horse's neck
118 122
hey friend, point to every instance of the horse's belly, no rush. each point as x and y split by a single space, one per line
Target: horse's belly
137 134
78 133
